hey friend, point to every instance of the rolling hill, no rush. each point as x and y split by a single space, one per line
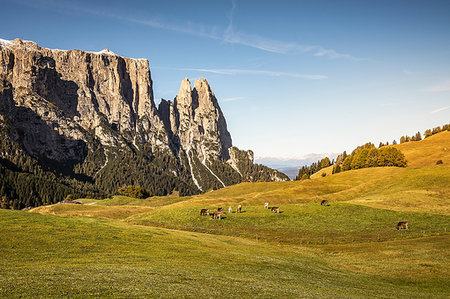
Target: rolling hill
426 152
162 247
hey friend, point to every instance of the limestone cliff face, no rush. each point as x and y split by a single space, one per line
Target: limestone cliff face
196 122
93 114
75 92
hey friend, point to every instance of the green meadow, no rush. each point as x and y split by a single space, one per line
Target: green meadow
162 247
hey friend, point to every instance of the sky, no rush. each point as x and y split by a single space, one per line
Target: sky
293 78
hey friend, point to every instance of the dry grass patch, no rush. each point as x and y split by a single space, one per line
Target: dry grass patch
426 152
328 171
113 212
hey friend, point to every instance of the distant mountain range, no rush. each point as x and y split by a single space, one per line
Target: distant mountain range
290 166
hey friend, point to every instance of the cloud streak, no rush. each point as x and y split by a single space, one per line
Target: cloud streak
440 110
275 46
230 35
249 72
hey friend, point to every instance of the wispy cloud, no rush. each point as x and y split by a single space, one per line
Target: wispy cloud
229 35
443 86
233 99
440 109
249 72
276 46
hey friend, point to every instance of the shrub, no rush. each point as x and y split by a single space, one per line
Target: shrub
324 174
134 191
439 162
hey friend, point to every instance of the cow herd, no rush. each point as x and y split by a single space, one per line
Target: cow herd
218 214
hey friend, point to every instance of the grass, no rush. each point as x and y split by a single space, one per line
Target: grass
301 223
127 247
56 256
155 201
426 152
116 212
327 170
401 189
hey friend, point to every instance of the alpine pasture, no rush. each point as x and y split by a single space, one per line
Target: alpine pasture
163 247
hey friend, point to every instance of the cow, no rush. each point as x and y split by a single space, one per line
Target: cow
230 210
217 215
275 209
324 203
220 210
266 205
402 225
239 209
204 212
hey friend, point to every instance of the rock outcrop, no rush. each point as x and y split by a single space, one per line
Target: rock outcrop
84 110
195 121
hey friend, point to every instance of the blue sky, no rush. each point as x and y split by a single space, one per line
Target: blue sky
292 77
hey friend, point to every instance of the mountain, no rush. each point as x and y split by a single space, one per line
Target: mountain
86 123
290 166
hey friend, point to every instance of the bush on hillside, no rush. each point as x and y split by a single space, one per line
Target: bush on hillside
438 162
134 191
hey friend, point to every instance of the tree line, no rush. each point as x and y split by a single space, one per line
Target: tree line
418 135
368 155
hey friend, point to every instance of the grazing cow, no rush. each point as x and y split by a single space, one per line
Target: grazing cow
402 225
324 203
217 215
230 210
266 205
275 209
239 209
204 212
220 210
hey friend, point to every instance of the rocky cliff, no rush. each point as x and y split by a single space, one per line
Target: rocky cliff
91 117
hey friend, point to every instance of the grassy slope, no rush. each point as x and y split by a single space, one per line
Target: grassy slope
52 256
426 152
327 170
302 223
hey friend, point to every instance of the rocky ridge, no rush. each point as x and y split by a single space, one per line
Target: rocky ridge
90 110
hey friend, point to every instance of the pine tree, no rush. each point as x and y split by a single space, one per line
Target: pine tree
418 136
346 165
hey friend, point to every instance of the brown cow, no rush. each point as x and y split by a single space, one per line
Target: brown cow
324 203
217 215
402 225
220 210
204 212
239 209
275 209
